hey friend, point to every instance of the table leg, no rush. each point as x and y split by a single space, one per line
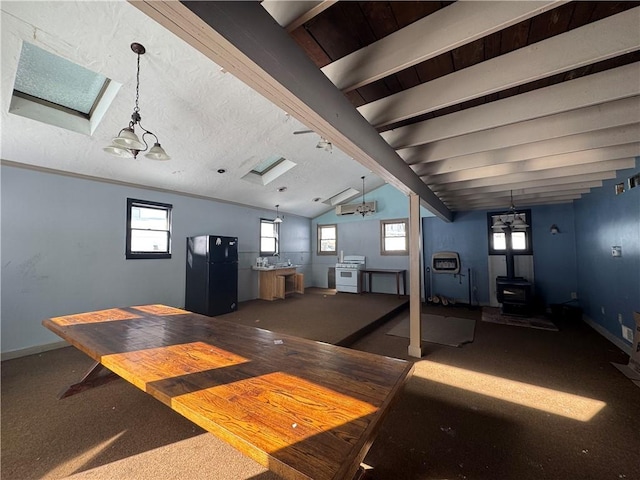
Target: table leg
93 378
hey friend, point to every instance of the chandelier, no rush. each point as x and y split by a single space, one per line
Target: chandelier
364 209
510 219
127 144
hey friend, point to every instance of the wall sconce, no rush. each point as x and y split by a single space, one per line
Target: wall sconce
554 229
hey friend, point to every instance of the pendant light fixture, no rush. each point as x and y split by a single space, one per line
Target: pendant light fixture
364 209
127 144
509 219
278 219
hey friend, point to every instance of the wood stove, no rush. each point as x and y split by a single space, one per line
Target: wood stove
515 295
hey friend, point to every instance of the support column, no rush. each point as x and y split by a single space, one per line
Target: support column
415 328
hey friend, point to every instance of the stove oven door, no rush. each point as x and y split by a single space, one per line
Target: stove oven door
347 280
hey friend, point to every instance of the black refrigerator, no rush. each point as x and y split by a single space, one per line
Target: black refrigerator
212 275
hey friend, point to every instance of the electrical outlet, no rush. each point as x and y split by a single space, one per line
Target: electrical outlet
620 318
602 310
627 333
574 295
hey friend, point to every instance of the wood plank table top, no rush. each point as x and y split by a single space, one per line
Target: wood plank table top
301 408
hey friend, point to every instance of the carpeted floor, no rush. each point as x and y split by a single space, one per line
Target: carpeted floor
493 315
320 314
517 403
451 331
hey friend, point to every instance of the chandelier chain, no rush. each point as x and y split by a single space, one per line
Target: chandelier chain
137 109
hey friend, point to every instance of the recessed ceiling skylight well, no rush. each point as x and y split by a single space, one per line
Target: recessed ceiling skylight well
268 170
53 90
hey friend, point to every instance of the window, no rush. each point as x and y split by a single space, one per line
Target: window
393 237
148 229
521 241
269 234
327 239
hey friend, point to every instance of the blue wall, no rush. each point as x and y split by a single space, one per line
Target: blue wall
466 235
602 220
553 259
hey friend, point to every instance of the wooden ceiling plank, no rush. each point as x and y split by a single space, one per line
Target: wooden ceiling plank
583 120
519 177
607 38
463 23
244 39
554 147
582 157
579 93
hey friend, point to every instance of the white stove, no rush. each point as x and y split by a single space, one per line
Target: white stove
348 273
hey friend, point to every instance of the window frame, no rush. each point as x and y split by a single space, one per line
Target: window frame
319 239
527 231
383 223
168 208
276 236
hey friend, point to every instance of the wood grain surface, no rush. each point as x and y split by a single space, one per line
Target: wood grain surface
303 409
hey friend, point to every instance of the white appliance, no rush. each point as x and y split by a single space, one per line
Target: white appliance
348 273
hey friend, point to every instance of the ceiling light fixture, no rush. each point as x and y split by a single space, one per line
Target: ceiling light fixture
325 145
364 209
278 219
127 144
510 219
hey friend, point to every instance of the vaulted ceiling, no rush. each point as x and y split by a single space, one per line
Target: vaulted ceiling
462 103
484 98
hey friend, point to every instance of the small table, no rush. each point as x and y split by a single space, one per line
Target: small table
301 408
388 271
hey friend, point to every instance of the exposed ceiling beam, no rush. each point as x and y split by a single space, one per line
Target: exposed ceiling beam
501 207
460 189
246 41
468 196
524 200
597 41
578 93
441 32
558 151
584 158
293 14
589 119
446 189
520 177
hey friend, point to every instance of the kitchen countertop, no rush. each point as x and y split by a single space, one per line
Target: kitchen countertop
274 267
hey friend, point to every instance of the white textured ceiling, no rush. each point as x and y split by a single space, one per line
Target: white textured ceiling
206 119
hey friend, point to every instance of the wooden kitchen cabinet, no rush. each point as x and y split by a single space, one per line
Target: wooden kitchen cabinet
279 282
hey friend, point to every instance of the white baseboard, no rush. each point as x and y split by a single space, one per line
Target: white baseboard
23 352
621 344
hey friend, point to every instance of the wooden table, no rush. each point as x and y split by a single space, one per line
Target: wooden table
304 409
387 271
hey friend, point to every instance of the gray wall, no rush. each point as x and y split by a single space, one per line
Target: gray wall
63 244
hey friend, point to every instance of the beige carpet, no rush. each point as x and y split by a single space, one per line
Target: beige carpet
451 331
493 315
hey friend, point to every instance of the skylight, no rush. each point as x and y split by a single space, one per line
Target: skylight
269 169
51 89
